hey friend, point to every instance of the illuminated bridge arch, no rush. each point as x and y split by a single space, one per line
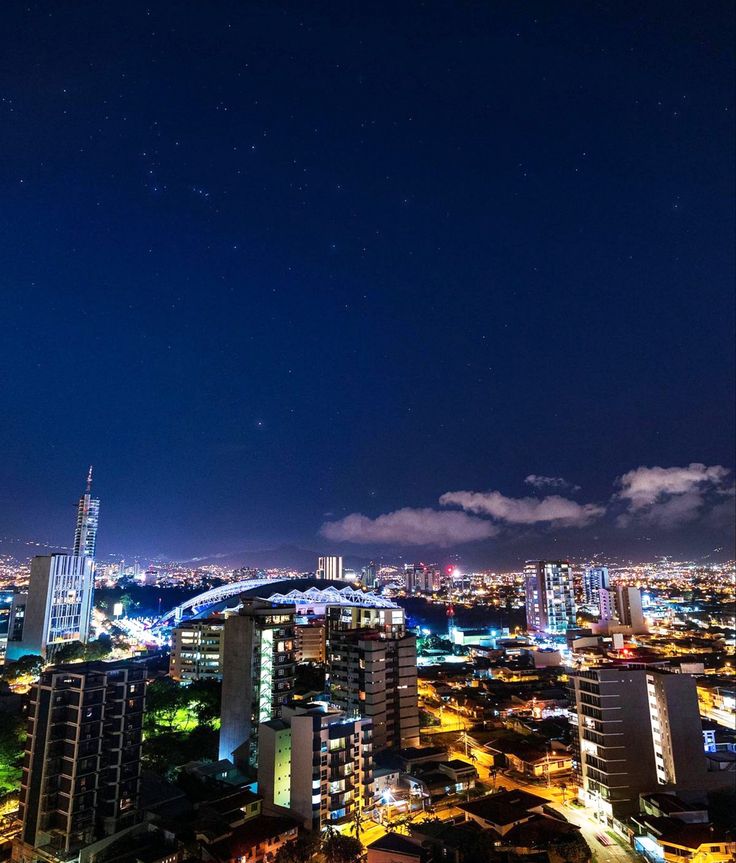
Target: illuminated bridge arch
296 591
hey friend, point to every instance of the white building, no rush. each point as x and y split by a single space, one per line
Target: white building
55 610
550 603
316 765
330 567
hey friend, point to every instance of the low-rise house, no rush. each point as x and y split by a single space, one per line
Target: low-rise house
673 840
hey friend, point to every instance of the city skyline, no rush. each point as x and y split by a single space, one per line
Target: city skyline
358 307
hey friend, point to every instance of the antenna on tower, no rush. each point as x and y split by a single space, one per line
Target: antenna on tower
89 480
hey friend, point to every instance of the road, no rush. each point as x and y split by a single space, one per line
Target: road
589 827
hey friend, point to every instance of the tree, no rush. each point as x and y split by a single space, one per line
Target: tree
338 848
12 742
303 848
99 649
203 697
28 665
563 788
163 702
72 651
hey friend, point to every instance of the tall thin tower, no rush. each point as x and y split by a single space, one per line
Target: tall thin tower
88 516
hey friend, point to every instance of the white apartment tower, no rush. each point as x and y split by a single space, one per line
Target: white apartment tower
550 603
330 567
55 610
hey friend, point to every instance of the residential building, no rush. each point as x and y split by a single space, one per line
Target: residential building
621 610
81 772
330 567
369 575
550 603
88 517
55 610
389 621
310 642
636 730
197 648
316 764
230 828
594 578
374 674
257 675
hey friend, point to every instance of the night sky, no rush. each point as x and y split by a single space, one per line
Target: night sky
383 277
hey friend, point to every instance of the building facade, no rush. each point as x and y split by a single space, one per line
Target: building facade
257 675
197 648
594 578
636 730
315 764
81 772
330 567
550 601
56 609
310 642
373 674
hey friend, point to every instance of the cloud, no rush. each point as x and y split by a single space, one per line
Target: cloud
409 527
540 481
670 496
553 510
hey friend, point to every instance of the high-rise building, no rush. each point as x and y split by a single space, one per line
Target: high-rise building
594 578
257 675
88 517
55 610
309 641
621 605
373 673
550 603
197 648
330 567
636 729
369 575
315 764
81 772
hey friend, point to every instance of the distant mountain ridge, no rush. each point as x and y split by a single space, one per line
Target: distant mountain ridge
282 557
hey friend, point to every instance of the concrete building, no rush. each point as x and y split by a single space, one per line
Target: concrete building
621 611
55 610
310 642
374 674
315 764
594 578
257 675
637 730
81 772
330 567
197 648
389 621
369 574
550 603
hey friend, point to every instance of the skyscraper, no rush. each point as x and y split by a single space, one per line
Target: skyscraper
550 604
369 575
88 516
594 578
257 675
330 567
55 610
81 772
